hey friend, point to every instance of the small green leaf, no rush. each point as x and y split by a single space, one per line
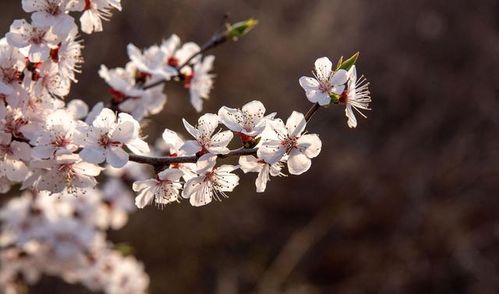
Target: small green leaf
347 64
240 29
340 61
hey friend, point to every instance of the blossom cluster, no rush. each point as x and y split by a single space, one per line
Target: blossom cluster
65 237
56 150
138 88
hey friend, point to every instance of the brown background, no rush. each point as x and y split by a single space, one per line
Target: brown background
406 203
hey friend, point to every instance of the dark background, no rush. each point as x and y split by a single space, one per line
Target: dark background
406 203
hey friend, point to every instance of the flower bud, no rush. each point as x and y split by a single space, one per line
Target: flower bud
239 29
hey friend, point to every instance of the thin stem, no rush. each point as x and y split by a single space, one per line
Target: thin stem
311 111
166 160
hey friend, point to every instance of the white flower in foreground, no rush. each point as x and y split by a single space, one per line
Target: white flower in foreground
66 172
252 164
324 83
200 82
289 140
356 96
248 121
56 137
212 183
206 141
35 41
105 138
162 190
12 64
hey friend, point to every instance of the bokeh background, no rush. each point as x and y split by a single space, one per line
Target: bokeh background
406 203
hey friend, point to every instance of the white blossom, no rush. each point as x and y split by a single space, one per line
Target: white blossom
252 164
105 138
249 121
356 96
162 190
94 12
200 82
324 83
12 154
206 138
289 140
212 182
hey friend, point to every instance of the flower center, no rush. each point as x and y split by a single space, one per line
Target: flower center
289 143
61 141
88 4
173 62
105 141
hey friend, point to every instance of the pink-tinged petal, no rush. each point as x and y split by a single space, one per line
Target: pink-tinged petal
352 75
141 185
138 146
323 68
93 154
16 170
310 145
231 118
144 198
123 132
352 121
117 157
33 5
255 109
250 163
77 109
319 97
171 174
262 179
296 124
80 181
105 120
338 90
88 169
271 151
21 150
207 123
309 84
42 152
219 141
20 31
206 163
191 147
339 78
298 163
190 129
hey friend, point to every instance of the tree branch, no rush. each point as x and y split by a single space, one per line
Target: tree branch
166 160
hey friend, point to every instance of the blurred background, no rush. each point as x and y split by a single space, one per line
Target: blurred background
406 203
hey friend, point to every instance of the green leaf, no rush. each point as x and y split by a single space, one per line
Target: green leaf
347 64
340 61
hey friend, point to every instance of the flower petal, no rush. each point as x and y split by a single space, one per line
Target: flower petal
298 163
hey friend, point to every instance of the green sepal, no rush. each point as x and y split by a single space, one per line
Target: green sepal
335 99
347 64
